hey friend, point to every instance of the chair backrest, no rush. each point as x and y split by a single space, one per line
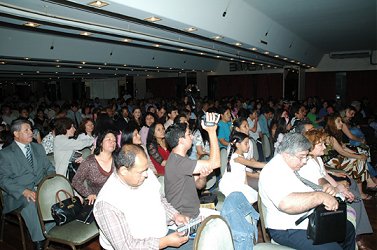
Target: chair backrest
255 149
223 160
213 233
46 195
266 146
161 179
262 212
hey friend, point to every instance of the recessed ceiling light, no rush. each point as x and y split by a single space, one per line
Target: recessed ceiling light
191 29
57 60
170 68
99 67
26 58
73 73
125 65
266 52
238 44
152 19
156 45
277 56
252 62
58 66
242 61
88 73
37 71
268 66
201 53
292 61
85 33
181 49
255 49
80 67
285 59
32 24
56 72
127 40
217 37
231 59
298 62
218 56
98 4
83 62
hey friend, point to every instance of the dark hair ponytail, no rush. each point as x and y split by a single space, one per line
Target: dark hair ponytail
236 137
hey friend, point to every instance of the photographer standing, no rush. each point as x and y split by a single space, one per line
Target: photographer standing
184 176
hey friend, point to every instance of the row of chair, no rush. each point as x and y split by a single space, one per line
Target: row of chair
72 234
213 233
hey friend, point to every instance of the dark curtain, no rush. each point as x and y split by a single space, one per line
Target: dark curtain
360 85
321 84
163 87
268 86
248 86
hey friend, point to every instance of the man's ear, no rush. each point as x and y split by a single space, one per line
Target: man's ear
123 170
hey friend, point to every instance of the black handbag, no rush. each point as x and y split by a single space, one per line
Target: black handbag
324 226
67 210
86 214
327 226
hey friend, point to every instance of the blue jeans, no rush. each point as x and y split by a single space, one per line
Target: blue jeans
297 239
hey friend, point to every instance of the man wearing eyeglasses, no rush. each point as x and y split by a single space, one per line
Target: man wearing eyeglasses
286 198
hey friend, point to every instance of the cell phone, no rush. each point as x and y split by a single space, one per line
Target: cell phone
190 228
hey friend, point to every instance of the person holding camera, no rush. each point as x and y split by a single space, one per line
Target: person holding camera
184 176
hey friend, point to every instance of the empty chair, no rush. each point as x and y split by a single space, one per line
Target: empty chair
73 233
214 233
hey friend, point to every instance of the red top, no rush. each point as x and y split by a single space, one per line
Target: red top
165 155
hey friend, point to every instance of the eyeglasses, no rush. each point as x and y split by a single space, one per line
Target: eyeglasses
302 157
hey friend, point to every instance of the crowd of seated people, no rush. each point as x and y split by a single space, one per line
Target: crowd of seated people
177 144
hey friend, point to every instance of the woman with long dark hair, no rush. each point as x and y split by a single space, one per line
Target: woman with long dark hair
130 135
338 156
157 147
97 168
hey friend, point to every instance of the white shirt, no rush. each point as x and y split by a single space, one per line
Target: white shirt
235 181
276 181
63 150
312 170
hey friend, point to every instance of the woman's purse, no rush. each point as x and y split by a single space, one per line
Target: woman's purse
67 210
324 226
327 226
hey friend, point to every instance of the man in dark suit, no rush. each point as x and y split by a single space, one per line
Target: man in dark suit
123 120
23 164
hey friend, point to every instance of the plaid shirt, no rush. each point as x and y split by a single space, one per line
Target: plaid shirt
114 227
